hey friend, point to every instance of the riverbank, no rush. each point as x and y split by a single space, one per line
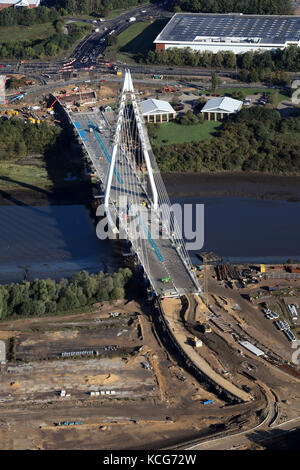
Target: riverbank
240 185
179 185
77 193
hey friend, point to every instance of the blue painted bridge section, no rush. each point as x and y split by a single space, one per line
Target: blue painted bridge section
97 135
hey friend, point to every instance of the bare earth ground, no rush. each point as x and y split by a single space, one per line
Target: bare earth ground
151 409
134 417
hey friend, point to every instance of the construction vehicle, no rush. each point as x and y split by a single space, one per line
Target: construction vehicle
69 423
146 204
10 112
165 279
198 267
207 328
197 342
169 89
262 268
208 402
18 97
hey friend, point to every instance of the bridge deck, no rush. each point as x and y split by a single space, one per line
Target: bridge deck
159 256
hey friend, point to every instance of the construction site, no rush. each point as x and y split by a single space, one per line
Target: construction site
166 372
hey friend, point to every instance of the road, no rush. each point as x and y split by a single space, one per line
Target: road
258 434
85 54
90 47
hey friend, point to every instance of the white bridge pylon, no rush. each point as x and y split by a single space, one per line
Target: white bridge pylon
128 92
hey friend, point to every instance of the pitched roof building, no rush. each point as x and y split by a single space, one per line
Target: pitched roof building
221 106
157 110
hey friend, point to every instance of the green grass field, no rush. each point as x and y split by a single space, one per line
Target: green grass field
173 133
26 33
136 40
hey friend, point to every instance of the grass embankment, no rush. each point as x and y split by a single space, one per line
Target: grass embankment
135 41
173 133
26 33
14 176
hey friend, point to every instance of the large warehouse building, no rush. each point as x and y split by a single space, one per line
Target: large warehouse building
19 3
229 32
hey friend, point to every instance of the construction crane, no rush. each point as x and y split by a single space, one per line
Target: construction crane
63 94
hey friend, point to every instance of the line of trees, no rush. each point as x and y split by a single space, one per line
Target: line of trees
47 297
258 7
256 139
287 59
40 48
253 65
19 138
44 14
28 16
95 7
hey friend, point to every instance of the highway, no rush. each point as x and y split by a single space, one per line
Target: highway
86 52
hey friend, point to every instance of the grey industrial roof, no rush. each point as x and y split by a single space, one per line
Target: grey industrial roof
152 106
223 104
186 27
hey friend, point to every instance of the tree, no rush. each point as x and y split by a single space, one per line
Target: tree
274 98
229 59
215 81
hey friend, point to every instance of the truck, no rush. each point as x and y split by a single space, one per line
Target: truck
69 423
158 77
18 97
131 19
272 288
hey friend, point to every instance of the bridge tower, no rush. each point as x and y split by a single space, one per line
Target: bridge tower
129 93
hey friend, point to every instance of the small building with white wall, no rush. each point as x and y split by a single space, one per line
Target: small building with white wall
217 108
233 32
157 111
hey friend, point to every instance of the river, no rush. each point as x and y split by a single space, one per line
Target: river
56 241
51 241
250 230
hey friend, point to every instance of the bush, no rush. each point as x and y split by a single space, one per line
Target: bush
42 297
255 139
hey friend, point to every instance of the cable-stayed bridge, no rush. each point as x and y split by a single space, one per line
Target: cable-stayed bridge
136 202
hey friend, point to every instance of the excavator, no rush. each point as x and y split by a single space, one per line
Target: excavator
169 89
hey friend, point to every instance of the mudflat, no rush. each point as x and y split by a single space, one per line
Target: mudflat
251 185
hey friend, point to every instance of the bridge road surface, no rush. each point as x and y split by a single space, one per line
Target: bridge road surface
161 257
